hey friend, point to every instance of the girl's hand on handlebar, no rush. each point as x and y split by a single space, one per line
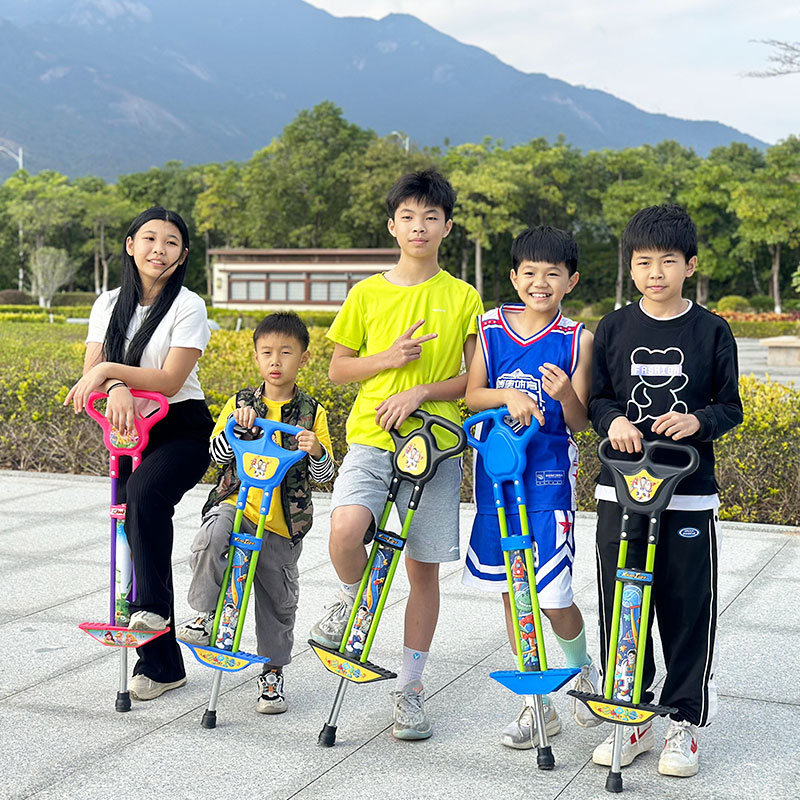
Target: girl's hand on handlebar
121 409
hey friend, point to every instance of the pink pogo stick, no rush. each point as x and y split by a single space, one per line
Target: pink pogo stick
115 633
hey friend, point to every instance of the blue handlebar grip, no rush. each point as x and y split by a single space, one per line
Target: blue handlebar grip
502 451
260 463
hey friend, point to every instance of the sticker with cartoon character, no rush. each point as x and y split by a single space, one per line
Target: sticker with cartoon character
628 642
413 460
127 440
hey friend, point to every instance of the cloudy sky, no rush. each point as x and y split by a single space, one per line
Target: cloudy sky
685 58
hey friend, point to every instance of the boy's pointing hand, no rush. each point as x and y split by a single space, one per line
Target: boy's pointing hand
406 348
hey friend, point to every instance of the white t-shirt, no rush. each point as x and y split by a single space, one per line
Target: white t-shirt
184 325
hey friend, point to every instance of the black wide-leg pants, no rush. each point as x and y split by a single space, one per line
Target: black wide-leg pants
175 459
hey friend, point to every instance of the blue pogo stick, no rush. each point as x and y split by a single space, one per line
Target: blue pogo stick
260 464
644 486
503 453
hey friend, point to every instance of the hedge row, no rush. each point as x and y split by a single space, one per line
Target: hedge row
758 464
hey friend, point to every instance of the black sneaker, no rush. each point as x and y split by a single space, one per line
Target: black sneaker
270 693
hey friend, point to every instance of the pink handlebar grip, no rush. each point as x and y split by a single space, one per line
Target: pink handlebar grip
133 444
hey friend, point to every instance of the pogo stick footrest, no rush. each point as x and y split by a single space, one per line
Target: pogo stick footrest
620 711
118 635
350 669
226 660
534 682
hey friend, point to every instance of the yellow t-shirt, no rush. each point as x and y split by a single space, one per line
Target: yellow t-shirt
375 313
275 520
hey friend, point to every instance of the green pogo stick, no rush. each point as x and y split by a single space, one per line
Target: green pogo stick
416 458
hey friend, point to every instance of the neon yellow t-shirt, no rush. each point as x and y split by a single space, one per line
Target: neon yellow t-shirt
375 313
275 521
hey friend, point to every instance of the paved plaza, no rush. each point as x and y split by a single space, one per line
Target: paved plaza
61 738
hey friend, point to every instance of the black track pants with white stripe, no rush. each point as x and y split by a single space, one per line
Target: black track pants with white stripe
684 600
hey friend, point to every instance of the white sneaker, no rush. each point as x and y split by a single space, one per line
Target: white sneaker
521 734
410 719
330 628
679 756
587 681
271 699
199 631
143 688
147 621
637 739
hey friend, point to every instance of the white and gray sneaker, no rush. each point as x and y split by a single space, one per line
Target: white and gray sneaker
410 719
147 621
637 739
198 631
588 680
521 733
679 756
330 628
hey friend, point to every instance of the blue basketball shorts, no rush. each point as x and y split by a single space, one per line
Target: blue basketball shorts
553 533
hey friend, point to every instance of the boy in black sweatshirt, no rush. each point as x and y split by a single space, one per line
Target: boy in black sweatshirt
666 368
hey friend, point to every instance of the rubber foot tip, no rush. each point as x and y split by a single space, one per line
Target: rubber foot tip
544 758
123 701
327 736
614 782
209 720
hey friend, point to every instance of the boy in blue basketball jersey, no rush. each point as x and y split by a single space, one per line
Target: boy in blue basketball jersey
538 363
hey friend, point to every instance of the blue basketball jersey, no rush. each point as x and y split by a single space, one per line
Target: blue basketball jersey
512 361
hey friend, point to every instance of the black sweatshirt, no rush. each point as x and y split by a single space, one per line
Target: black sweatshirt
644 367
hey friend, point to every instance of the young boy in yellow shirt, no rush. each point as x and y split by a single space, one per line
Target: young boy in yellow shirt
281 349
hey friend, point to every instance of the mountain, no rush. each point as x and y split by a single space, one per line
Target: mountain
114 86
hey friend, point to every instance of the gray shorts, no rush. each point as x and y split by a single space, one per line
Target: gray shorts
364 479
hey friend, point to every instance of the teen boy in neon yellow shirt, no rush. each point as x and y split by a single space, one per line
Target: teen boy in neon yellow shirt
402 336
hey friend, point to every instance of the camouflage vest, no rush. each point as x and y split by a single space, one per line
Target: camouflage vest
295 491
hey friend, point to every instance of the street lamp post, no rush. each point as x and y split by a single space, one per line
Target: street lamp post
21 275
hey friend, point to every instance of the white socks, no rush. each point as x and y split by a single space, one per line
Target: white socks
413 666
350 589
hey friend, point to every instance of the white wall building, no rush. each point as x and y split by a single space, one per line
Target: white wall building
310 278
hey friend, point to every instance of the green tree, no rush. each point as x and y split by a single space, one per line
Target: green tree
487 185
219 210
106 214
297 186
39 205
768 207
707 196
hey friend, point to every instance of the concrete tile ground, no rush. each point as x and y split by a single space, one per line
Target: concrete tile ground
60 737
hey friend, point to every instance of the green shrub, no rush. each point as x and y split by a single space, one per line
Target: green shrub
12 297
41 316
14 308
759 303
602 307
761 330
227 317
74 299
758 464
733 302
792 304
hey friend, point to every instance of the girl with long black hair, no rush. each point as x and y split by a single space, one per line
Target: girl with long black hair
149 335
